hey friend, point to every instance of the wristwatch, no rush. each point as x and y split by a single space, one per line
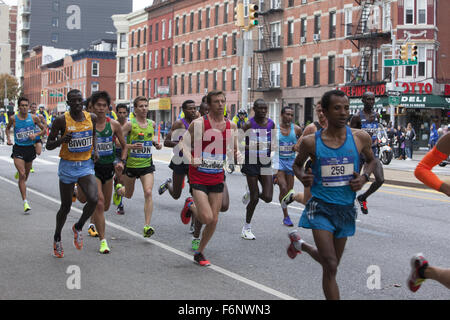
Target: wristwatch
367 176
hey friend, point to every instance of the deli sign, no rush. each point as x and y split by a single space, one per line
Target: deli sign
358 91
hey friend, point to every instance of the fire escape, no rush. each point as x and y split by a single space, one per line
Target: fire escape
366 38
267 47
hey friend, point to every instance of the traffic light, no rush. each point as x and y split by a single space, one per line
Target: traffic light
404 52
413 52
239 16
253 15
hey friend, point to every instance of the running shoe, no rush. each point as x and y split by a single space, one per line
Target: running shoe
414 280
77 238
195 244
104 247
246 197
116 198
16 176
192 227
287 222
58 250
92 232
186 213
120 210
75 192
201 260
32 170
148 231
287 199
292 251
363 205
247 234
26 207
164 186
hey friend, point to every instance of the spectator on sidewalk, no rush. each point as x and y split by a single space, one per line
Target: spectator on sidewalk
400 136
434 136
409 141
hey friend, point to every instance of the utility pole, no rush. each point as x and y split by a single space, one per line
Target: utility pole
244 77
391 106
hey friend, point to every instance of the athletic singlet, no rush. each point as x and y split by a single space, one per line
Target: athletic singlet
79 147
210 171
37 130
370 127
186 126
333 169
259 142
105 144
23 129
286 143
140 158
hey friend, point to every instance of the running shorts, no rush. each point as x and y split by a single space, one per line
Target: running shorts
25 153
179 169
256 169
70 171
139 172
104 172
285 164
337 219
217 188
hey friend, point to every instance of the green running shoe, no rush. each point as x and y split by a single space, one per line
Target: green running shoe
104 247
148 231
16 176
32 170
116 198
26 208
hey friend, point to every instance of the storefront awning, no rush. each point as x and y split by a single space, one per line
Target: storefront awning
422 101
159 104
380 105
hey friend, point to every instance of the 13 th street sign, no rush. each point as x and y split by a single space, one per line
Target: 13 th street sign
399 62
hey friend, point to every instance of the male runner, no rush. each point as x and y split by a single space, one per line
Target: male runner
38 141
107 130
312 128
420 269
257 165
205 144
368 120
179 167
122 117
76 129
288 134
140 133
23 151
330 213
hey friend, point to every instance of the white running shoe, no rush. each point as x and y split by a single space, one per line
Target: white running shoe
287 199
247 234
246 197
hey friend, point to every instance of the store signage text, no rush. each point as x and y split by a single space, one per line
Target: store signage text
410 87
358 91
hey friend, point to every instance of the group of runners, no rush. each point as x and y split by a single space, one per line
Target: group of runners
101 158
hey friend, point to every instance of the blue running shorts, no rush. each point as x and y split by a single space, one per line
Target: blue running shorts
284 164
337 219
70 171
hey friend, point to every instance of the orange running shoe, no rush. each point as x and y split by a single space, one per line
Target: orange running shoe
58 250
77 238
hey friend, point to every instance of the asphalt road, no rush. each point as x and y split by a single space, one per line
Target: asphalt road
402 221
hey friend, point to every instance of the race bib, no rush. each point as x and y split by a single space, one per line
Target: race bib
22 134
146 151
286 149
212 163
80 142
105 146
337 172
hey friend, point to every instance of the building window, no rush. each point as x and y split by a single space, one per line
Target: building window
332 31
176 55
216 47
182 84
216 15
169 56
170 30
122 65
224 45
121 91
224 80
207 49
149 88
138 63
163 57
208 17
289 74
317 24
156 59
409 11
163 30
348 21
290 3
199 49
132 39
55 22
95 68
191 22
55 37
302 72
175 85
347 68
131 64
177 26
303 30
316 71
157 32
234 43
233 79
225 12
55 6
150 34
290 29
190 83
198 83
206 80
421 62
275 34
150 54
422 11
215 80
183 53
123 40
155 88
94 86
331 69
191 51
275 74
138 38
143 87
184 24
199 19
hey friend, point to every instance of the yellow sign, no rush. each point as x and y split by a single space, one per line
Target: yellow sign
159 104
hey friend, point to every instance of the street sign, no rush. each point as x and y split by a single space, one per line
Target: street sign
399 62
394 101
393 93
56 95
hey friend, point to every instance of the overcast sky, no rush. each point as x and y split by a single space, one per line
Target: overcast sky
137 4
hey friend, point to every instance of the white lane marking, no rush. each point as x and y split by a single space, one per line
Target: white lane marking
170 249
